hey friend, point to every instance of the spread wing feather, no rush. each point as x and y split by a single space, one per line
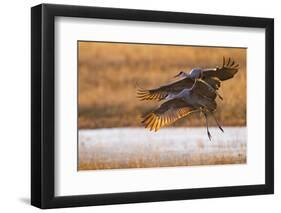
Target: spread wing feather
162 92
204 88
205 94
215 83
167 113
227 71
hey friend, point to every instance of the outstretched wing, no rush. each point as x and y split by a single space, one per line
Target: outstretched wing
162 92
227 71
167 113
215 83
205 89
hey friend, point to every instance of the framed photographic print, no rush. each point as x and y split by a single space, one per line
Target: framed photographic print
139 106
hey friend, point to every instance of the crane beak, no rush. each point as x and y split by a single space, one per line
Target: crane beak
178 75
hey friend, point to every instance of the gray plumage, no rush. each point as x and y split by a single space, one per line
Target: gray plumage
196 91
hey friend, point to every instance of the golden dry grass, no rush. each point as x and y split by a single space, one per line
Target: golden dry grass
154 160
108 73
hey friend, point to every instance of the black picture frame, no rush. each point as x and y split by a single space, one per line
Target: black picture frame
43 117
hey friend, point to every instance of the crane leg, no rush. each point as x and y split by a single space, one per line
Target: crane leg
207 126
217 121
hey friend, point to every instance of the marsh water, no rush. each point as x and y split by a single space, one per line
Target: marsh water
139 148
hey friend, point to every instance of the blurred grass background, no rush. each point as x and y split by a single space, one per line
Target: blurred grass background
108 73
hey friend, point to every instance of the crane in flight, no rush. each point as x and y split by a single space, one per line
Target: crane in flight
195 91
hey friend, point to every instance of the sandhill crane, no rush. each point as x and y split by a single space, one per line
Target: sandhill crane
196 91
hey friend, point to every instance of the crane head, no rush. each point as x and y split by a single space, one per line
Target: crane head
195 73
